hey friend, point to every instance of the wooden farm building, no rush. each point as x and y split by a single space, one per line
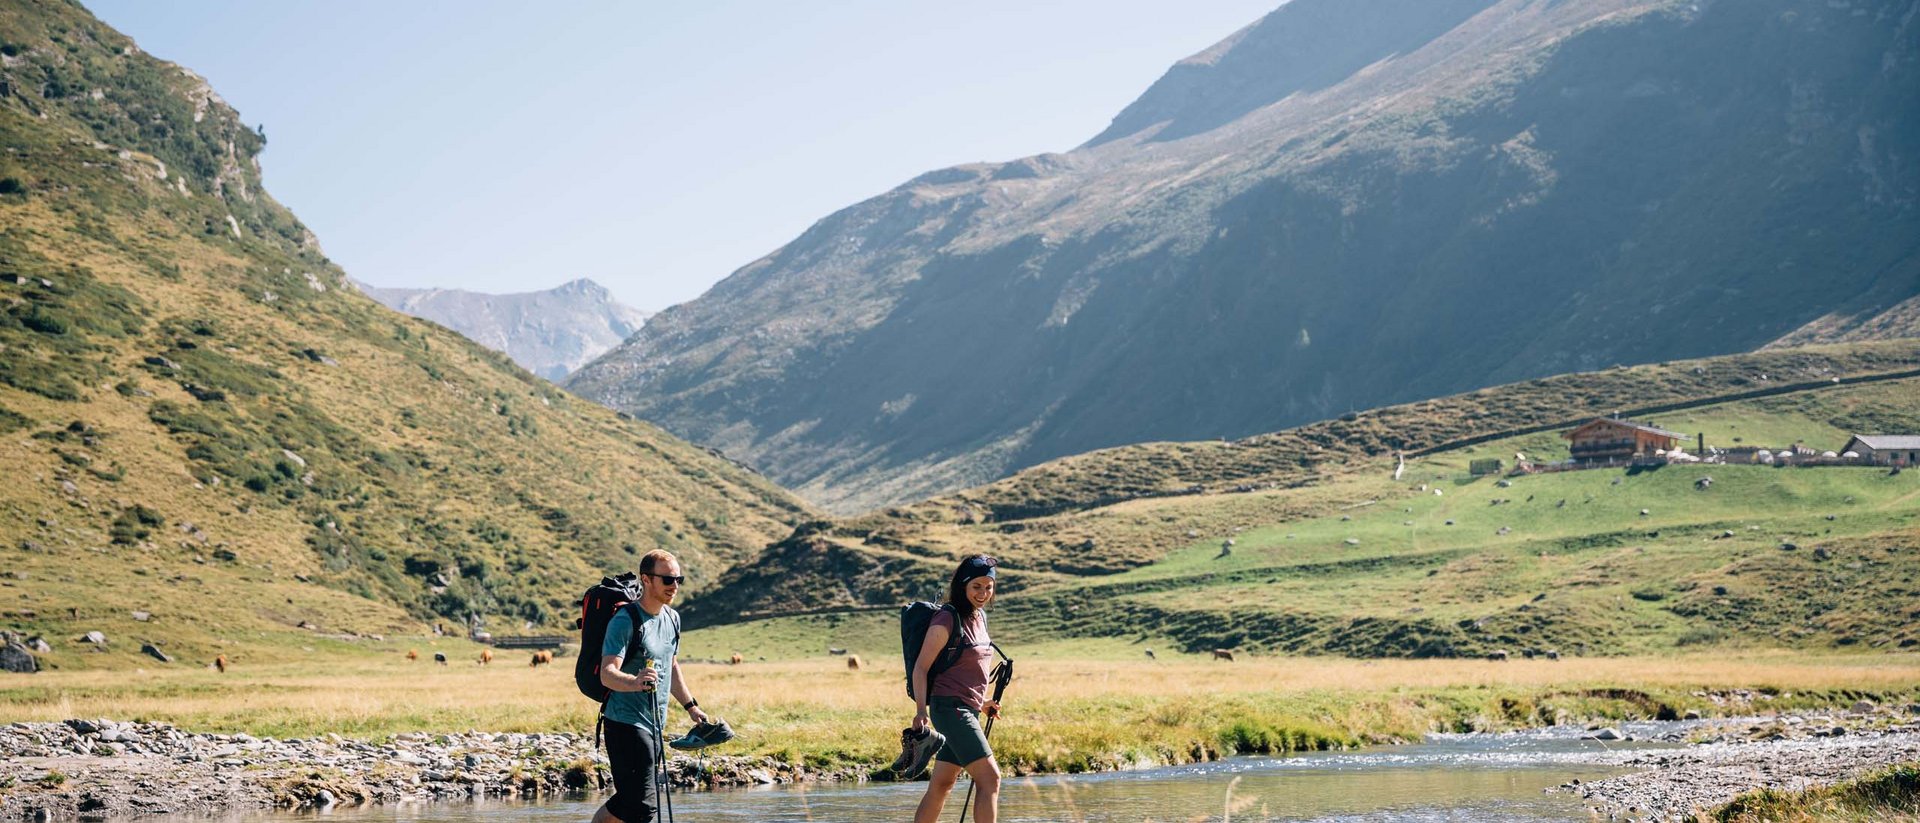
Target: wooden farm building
1610 438
1885 449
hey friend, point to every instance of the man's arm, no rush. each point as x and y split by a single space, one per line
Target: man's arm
685 696
613 678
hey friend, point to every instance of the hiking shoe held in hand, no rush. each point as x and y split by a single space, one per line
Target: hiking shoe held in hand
712 733
916 751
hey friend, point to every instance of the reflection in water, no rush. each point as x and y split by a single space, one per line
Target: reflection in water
1452 778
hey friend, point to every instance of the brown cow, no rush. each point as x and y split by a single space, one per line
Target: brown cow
486 656
1223 654
541 658
412 655
735 661
853 663
220 663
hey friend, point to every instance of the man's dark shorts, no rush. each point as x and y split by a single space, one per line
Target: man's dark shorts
961 725
631 757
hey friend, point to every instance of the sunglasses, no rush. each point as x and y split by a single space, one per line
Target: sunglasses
669 579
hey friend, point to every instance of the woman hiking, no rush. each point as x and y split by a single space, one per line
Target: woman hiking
959 694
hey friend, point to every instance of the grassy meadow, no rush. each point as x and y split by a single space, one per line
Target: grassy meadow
1073 706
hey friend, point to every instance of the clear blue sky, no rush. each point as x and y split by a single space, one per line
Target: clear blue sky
655 147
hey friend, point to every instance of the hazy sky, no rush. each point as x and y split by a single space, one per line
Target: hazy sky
654 147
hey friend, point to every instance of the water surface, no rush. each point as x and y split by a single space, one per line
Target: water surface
1452 778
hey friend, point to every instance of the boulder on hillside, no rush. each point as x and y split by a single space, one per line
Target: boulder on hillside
16 658
154 652
96 638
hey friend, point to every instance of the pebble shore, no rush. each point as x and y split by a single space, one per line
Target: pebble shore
1731 757
107 770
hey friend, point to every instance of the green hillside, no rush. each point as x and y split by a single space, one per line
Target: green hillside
1331 555
201 420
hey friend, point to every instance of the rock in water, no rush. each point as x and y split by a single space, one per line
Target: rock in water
1604 734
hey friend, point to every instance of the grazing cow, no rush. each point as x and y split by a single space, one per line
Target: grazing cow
1553 654
440 658
735 659
1223 654
412 655
1498 654
1150 655
220 663
853 663
486 656
541 658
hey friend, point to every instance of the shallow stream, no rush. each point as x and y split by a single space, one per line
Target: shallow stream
1452 778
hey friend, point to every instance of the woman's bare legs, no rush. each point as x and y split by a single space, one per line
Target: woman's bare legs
986 789
938 787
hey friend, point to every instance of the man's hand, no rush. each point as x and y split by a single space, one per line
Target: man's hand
648 679
698 714
991 709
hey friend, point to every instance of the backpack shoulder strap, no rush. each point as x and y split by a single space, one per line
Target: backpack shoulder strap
633 613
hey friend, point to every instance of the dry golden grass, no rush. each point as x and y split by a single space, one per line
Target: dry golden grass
1060 715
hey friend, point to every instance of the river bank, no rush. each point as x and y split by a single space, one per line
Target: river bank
1729 758
105 770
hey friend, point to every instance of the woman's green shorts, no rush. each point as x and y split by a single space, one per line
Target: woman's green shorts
961 725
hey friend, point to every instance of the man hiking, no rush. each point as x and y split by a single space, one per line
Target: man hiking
638 664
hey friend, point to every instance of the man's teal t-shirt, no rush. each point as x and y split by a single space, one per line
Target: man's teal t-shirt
658 643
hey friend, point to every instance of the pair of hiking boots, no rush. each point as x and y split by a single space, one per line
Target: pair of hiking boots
916 752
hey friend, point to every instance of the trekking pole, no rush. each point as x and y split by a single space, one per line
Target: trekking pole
660 745
1002 675
662 780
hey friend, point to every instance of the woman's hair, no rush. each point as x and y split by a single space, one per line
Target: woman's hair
974 565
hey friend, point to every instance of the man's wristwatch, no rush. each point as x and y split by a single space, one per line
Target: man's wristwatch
690 704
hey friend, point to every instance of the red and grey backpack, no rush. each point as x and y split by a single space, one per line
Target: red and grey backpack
596 609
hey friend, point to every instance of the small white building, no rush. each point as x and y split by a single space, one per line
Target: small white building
1886 449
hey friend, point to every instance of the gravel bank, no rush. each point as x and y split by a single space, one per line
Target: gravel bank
106 770
1733 757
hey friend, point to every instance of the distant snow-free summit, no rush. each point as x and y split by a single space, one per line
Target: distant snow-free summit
550 333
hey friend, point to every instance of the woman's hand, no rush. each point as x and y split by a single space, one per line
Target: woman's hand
920 719
991 709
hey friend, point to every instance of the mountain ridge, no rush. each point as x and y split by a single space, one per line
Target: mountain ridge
1542 188
550 332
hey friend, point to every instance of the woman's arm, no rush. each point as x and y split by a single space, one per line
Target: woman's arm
935 643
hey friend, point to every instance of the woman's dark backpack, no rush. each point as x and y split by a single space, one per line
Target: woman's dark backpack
915 618
596 608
